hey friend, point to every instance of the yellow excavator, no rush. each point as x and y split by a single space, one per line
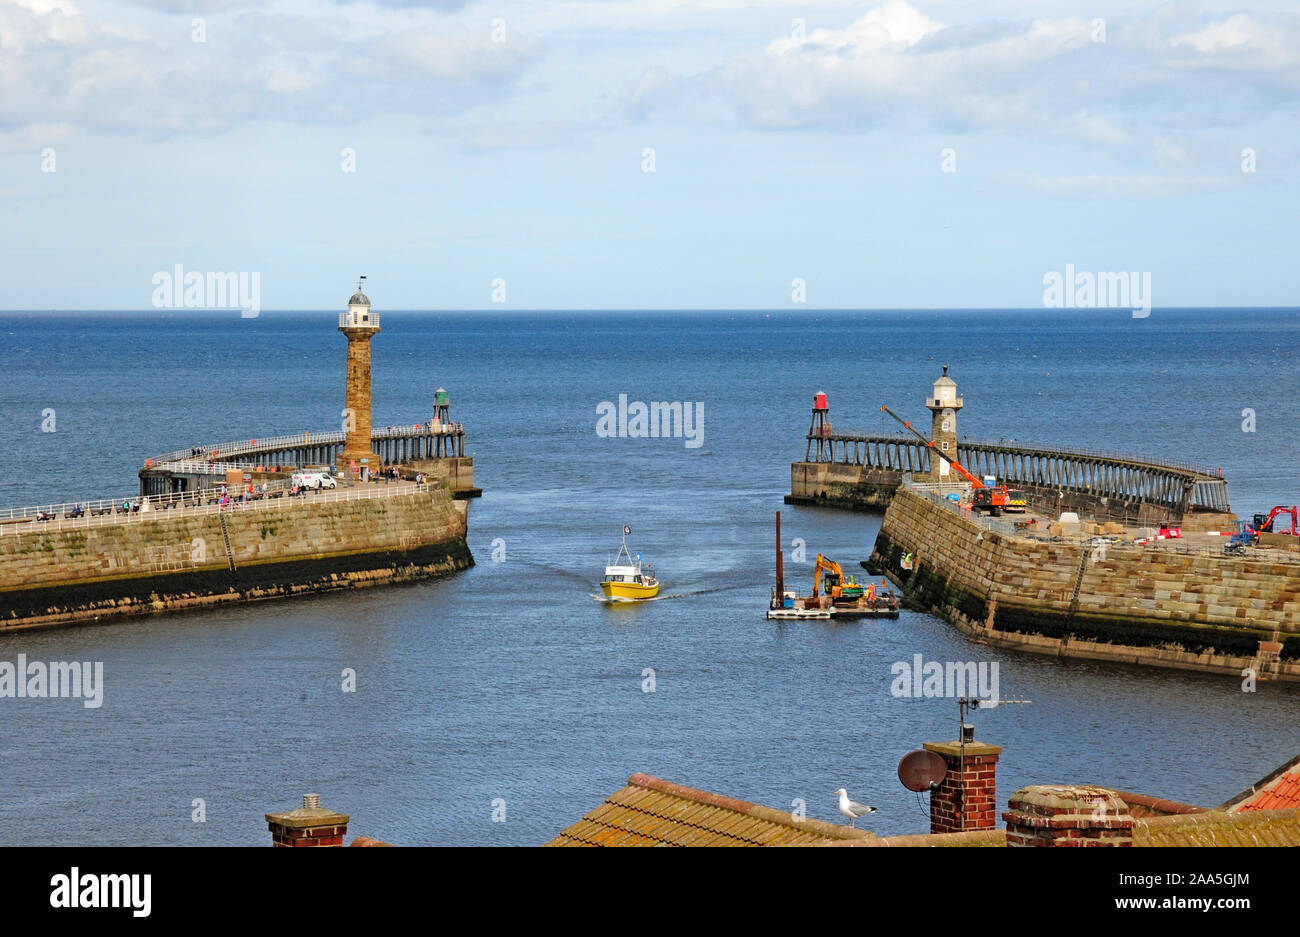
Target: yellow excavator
833 582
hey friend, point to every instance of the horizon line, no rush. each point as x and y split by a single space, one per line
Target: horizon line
655 310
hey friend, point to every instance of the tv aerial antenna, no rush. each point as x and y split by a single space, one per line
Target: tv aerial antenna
923 771
967 731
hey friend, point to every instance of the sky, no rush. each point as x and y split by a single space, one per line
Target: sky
648 154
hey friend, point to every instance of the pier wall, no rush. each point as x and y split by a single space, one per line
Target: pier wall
848 486
1131 604
842 485
456 471
175 560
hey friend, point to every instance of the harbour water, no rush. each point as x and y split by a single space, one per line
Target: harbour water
509 682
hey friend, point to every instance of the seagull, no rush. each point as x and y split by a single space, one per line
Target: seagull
852 809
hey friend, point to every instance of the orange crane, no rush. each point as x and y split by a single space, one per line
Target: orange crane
983 498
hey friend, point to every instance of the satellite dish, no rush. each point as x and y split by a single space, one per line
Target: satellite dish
921 770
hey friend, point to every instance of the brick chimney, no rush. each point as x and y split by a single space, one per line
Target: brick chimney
1059 815
966 799
309 825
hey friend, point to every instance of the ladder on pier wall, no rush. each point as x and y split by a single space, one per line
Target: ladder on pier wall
1078 584
225 537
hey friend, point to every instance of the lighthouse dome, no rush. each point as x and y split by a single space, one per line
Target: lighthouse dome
359 299
944 394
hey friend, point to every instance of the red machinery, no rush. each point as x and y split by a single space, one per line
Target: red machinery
1264 523
984 498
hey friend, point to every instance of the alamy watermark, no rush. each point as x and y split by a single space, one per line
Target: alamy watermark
80 889
922 679
83 680
1087 290
655 420
176 289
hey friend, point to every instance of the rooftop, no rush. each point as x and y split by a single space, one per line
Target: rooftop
1208 828
1279 790
653 812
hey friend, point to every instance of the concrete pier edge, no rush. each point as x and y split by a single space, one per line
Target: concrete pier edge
1042 623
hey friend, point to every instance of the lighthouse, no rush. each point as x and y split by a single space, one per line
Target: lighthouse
359 324
944 404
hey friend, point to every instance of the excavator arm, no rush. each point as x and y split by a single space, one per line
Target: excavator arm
829 566
1268 523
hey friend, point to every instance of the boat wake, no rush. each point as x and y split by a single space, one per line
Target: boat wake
672 595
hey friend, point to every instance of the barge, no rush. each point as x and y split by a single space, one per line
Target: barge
833 595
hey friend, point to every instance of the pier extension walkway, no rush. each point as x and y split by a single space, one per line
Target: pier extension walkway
863 470
435 448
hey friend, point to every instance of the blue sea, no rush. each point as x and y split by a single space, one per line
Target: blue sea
509 686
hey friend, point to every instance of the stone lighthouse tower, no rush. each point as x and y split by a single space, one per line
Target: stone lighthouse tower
359 324
944 404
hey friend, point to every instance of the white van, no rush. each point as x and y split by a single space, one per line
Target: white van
315 480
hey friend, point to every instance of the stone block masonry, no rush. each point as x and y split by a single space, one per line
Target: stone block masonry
177 560
842 485
1192 611
358 398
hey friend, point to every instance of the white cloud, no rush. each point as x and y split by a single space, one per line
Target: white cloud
33 138
897 67
892 27
1234 34
61 67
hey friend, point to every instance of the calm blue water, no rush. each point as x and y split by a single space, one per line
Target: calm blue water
509 681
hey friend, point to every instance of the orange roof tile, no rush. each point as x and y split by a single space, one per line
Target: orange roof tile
1283 792
1279 791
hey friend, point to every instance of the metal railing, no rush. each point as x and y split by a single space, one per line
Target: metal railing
939 495
187 467
296 440
24 520
1198 543
1107 454
890 438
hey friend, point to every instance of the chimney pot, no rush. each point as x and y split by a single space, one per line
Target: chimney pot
309 825
1061 815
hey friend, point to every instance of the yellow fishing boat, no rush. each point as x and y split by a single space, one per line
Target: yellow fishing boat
628 581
